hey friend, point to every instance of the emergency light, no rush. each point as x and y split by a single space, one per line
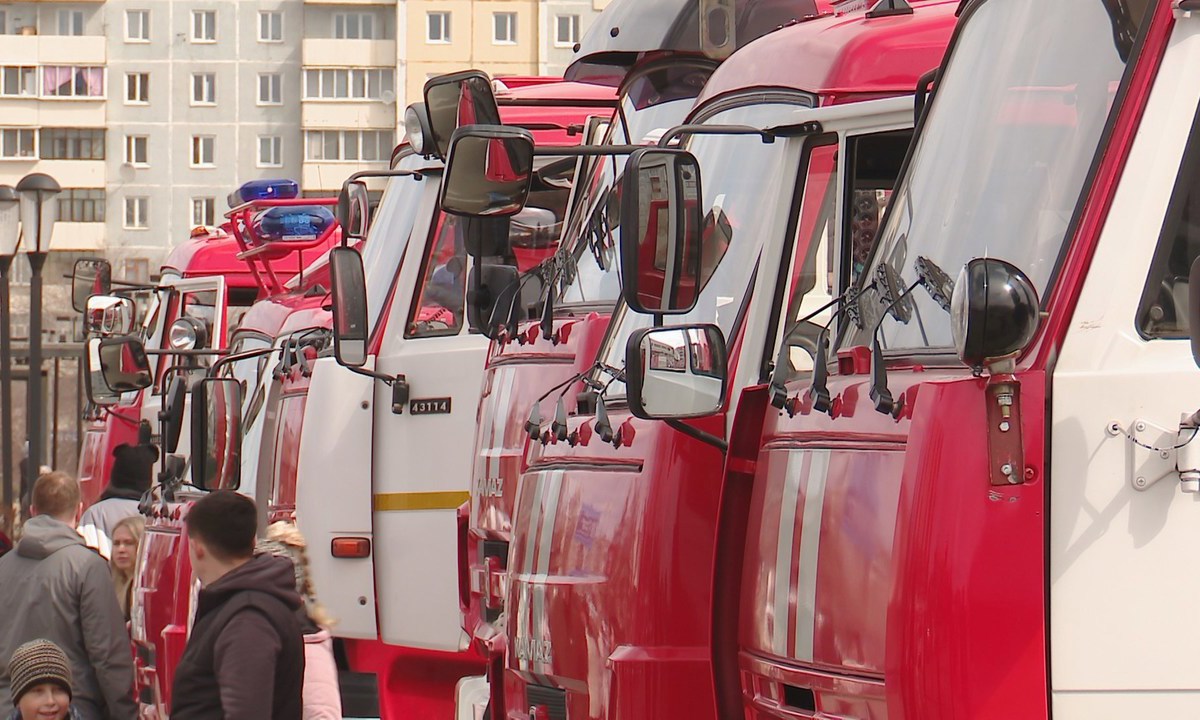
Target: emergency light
302 222
280 189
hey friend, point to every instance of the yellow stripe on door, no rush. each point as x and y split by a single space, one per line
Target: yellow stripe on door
404 502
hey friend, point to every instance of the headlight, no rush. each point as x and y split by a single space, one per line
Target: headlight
187 333
414 127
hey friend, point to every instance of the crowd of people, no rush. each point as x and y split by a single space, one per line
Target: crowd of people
259 646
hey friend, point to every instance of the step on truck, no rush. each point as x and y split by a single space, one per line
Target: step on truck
611 563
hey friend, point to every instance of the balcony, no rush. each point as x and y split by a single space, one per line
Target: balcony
78 236
324 52
351 2
54 50
329 175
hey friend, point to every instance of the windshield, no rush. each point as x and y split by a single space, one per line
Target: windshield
746 183
388 236
656 101
1004 153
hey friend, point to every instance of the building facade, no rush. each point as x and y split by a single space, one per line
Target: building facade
148 112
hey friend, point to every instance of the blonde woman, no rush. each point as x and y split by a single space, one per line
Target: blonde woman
322 700
126 543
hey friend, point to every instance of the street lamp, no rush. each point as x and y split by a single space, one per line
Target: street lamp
39 210
10 235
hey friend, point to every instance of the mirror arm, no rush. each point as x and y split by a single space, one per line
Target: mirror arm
693 129
229 358
381 377
189 353
585 150
706 438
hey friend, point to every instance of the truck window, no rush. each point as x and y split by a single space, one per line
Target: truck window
438 309
1163 310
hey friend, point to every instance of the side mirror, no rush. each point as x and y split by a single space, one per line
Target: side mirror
456 100
676 372
661 233
217 434
1194 309
98 391
994 312
348 284
489 171
354 208
492 300
108 315
486 236
174 400
90 277
123 364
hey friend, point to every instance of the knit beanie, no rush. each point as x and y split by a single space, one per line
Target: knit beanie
133 467
37 662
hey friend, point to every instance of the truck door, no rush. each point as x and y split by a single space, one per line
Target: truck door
422 459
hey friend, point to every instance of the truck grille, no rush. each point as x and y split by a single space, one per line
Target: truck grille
553 699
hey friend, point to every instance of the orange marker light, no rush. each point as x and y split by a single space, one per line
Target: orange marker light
351 547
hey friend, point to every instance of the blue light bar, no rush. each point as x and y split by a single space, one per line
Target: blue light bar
303 222
281 189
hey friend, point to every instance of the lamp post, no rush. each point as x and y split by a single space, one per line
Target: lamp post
10 235
39 210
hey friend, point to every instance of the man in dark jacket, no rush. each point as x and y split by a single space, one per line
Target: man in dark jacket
54 587
244 659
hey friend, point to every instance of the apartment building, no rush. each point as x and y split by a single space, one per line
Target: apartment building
148 112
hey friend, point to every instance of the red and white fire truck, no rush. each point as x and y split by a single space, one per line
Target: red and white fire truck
611 562
970 513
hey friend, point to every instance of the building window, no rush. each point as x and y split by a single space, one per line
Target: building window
72 81
270 89
346 84
204 89
71 144
3 22
137 88
566 30
135 270
504 28
70 22
202 150
137 213
81 205
270 151
349 145
354 26
204 211
17 144
137 26
437 27
17 81
270 27
204 26
137 149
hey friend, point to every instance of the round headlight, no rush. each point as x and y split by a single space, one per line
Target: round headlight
187 333
994 311
414 128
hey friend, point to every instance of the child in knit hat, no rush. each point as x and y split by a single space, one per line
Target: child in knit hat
40 679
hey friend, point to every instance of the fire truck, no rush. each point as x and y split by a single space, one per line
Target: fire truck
271 229
659 61
968 507
192 267
611 563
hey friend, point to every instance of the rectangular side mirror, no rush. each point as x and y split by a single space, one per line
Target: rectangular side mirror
109 315
123 364
457 100
354 209
98 391
1194 309
217 434
91 276
676 372
489 171
661 231
349 289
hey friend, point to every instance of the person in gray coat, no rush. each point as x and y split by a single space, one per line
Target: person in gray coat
53 586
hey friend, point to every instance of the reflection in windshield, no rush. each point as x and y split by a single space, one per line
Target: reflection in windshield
389 234
657 101
1001 162
746 183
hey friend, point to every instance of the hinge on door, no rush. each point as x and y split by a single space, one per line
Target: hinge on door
1156 452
